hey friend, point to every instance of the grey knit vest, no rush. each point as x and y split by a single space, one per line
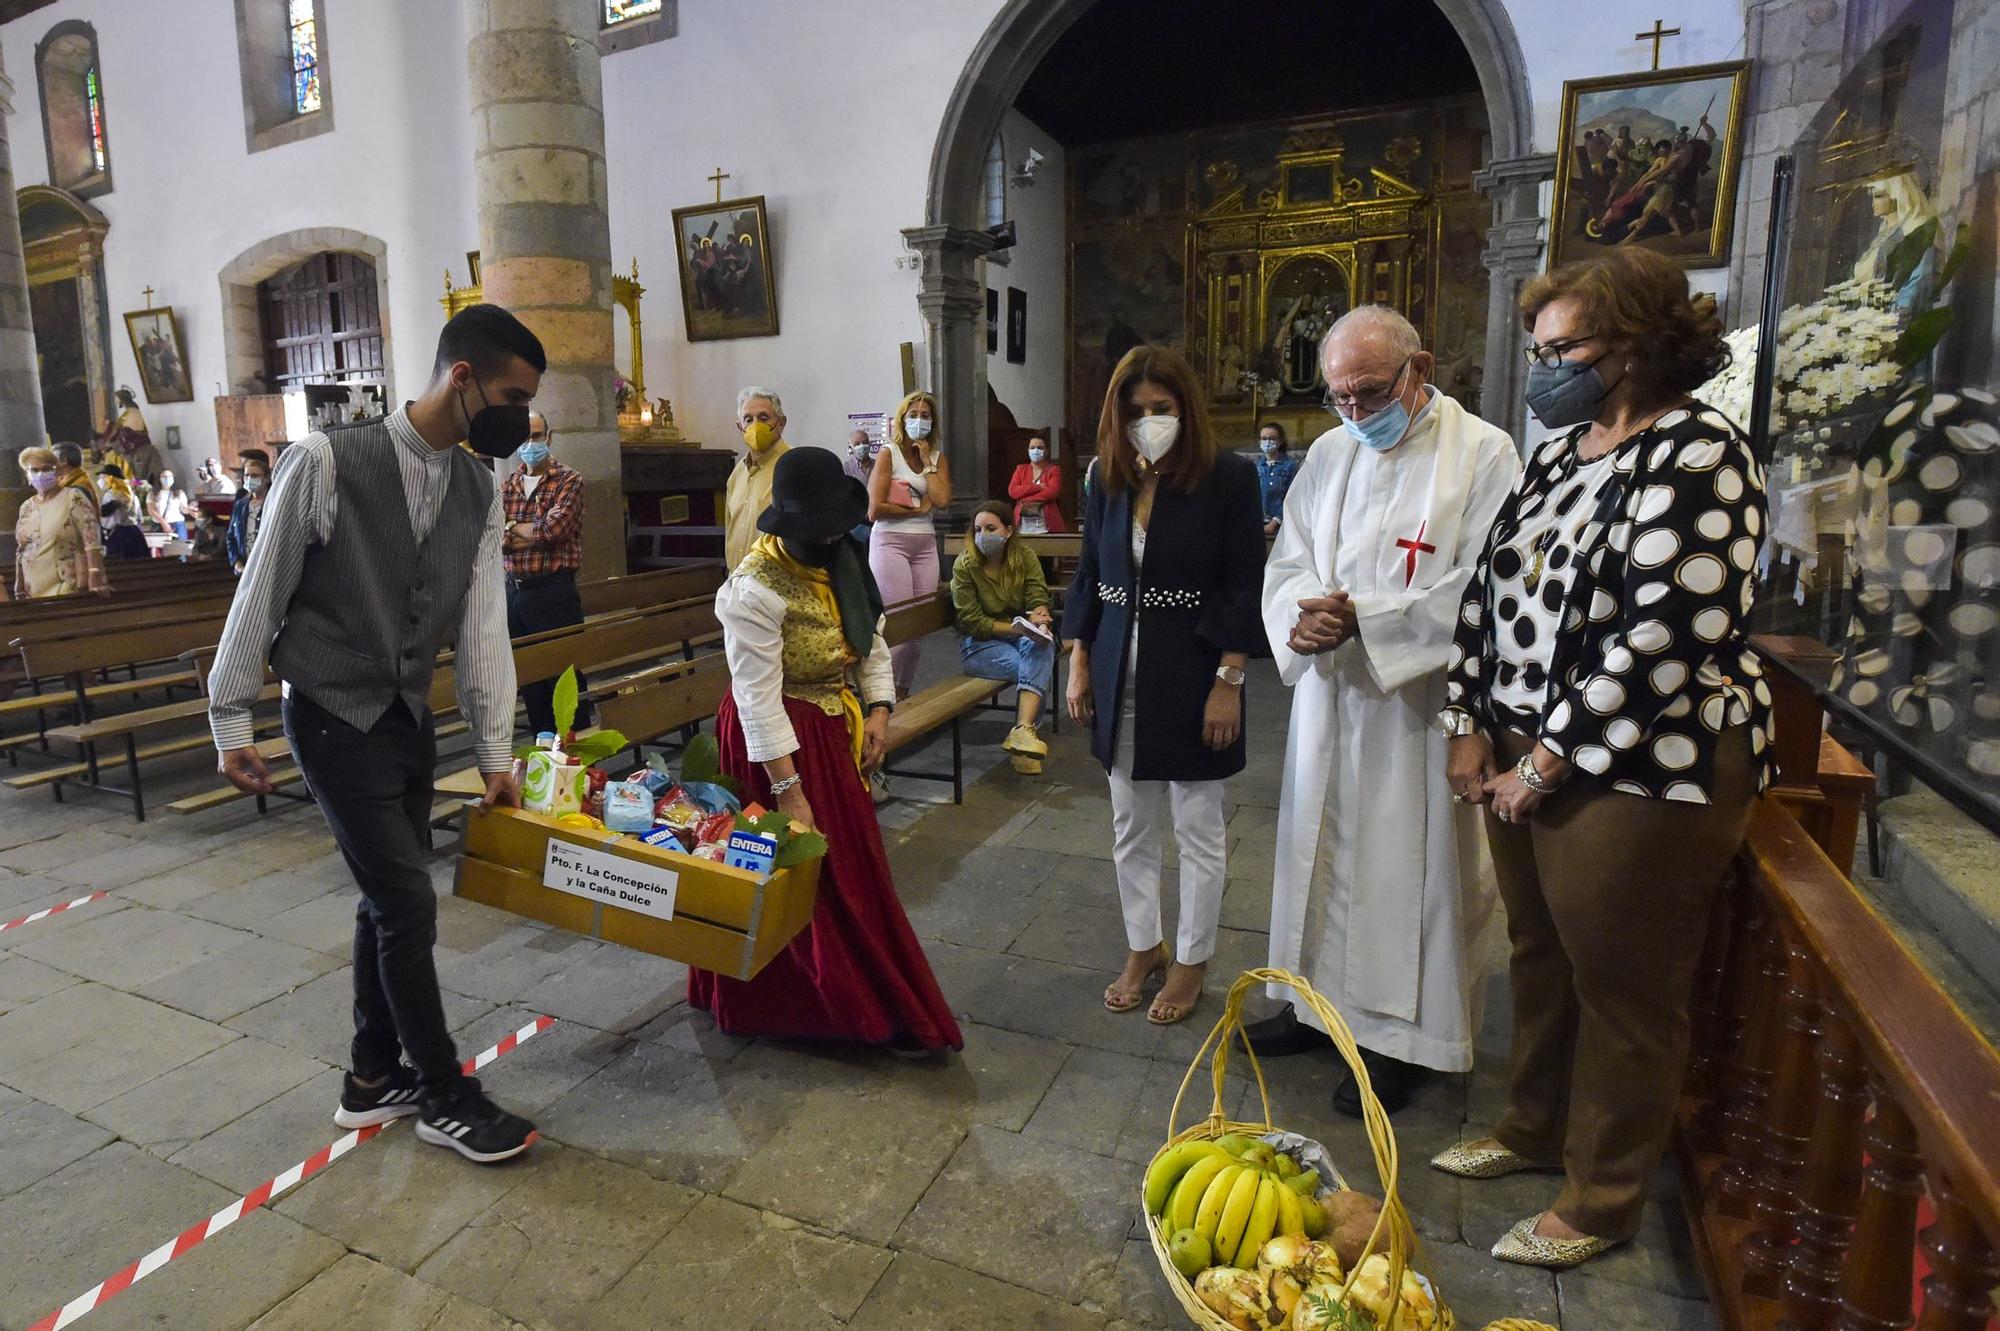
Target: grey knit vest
373 606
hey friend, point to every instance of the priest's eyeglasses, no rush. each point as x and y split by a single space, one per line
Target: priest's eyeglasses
1548 355
1367 401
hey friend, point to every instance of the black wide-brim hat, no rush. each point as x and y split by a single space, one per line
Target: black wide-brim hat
812 498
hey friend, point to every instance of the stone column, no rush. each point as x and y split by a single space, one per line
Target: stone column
951 292
545 231
20 381
1512 255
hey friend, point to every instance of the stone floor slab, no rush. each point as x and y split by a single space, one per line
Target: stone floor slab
115 866
1612 1305
1063 1003
355 1287
255 970
65 847
726 1262
317 1018
1087 1103
227 1283
1027 1211
611 988
24 981
127 948
273 893
919 1293
88 1044
555 1244
195 1099
247 858
537 1074
37 1139
512 960
274 1136
324 924
843 1164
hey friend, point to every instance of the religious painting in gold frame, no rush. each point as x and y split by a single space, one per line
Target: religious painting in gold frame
157 347
723 251
1650 159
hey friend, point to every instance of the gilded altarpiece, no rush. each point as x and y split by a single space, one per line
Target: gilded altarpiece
1241 246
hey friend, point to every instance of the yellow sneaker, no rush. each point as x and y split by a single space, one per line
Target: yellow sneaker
1024 741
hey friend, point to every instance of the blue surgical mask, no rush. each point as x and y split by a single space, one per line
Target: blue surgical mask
1383 430
1267 446
990 543
1037 454
1566 393
534 454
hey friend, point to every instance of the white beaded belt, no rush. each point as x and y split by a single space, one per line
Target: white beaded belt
1152 598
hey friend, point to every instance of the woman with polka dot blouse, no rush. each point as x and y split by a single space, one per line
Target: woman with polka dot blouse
1607 711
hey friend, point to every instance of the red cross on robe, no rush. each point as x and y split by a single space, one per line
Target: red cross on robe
1414 546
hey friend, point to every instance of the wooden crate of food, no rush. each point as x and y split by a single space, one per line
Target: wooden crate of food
721 919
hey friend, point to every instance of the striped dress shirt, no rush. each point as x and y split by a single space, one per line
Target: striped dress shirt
300 512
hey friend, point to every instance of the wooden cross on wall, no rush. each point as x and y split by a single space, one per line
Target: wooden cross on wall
721 175
1656 36
149 298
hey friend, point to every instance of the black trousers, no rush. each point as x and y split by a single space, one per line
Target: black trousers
374 787
535 604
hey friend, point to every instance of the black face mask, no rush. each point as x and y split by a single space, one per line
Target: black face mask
498 428
815 554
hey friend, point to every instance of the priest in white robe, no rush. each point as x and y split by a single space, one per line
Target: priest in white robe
1383 889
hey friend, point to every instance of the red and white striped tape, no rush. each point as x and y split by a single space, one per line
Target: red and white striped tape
52 910
195 1234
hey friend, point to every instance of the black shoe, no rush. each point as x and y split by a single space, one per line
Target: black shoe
1394 1082
469 1123
1275 1037
365 1106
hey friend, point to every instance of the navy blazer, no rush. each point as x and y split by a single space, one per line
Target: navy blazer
1197 597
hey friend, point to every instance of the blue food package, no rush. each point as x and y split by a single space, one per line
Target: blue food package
667 838
628 807
750 851
711 797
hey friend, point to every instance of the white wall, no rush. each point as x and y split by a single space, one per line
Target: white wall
187 197
830 110
1038 265
1563 39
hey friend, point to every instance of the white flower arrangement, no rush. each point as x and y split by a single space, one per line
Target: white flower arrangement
1834 354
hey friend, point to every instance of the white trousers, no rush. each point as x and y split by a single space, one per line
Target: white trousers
1139 827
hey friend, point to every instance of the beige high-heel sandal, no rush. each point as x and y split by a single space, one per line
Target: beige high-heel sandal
1119 1000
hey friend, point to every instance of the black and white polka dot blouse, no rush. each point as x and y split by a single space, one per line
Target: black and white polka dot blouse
1649 662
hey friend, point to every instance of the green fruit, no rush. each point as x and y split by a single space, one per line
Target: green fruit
1260 1156
1189 1252
1236 1143
1306 1184
1287 1167
1314 1215
1187 1194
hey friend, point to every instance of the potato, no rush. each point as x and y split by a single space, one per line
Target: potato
1350 1219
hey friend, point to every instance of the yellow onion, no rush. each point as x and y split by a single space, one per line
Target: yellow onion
1292 1261
1320 1309
1238 1297
1371 1291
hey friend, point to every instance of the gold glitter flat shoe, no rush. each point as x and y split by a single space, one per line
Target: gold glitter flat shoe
1517 1324
1523 1246
1468 1160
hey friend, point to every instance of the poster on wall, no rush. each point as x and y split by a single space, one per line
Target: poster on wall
724 256
1017 326
992 321
156 345
1651 159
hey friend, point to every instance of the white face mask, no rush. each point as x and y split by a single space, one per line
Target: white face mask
1154 436
917 427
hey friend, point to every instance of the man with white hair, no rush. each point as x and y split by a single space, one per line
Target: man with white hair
1383 889
761 417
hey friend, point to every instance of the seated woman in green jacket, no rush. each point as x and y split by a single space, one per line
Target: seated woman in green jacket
997 587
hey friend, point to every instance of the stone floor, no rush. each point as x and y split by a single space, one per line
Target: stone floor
170 1047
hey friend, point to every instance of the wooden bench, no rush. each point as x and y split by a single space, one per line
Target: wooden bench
943 704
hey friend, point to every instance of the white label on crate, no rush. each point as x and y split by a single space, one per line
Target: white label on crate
583 872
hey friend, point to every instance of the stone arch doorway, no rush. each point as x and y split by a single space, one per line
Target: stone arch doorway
62 238
951 291
242 317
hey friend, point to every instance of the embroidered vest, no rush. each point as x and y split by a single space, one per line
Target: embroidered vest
816 655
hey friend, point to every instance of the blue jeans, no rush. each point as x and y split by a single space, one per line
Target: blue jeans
1025 661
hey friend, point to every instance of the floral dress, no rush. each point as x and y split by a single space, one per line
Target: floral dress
57 538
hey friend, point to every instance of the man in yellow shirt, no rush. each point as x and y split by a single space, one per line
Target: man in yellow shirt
761 416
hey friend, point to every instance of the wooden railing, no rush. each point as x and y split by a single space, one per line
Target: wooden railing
1835 1093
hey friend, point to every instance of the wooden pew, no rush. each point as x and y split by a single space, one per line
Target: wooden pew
942 704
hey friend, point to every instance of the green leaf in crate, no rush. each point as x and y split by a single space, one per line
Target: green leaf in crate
564 702
799 849
1922 336
701 760
597 746
773 823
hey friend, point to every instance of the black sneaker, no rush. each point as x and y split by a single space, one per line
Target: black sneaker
365 1106
469 1123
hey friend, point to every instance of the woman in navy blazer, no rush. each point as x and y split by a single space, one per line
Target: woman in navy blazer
1162 615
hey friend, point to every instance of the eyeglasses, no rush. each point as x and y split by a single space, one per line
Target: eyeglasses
1548 355
1369 400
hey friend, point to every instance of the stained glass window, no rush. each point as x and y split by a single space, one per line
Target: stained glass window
93 101
305 56
625 11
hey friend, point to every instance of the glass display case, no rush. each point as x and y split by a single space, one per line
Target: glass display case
1883 429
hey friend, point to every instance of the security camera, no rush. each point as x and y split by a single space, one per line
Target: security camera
1024 175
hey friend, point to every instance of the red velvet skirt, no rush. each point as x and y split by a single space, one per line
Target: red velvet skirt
857 971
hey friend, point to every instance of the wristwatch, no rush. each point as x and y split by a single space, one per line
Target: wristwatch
1455 724
1230 675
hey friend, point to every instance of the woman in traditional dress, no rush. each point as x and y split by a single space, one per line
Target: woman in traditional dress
1173 538
59 550
801 622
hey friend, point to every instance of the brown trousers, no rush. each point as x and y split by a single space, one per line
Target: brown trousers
1608 898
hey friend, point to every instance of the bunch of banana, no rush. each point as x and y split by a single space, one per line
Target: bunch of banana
1234 1194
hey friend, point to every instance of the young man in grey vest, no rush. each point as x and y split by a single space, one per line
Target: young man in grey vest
379 541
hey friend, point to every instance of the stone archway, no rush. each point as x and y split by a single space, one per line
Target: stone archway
242 323
951 290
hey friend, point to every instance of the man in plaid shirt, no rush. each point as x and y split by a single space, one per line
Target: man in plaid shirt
542 549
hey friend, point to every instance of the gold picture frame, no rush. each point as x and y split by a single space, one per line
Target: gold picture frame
1650 159
723 254
160 353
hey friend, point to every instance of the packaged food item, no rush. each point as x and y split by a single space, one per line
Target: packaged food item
654 781
677 811
711 797
552 784
628 806
752 852
582 820
714 830
666 838
545 739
